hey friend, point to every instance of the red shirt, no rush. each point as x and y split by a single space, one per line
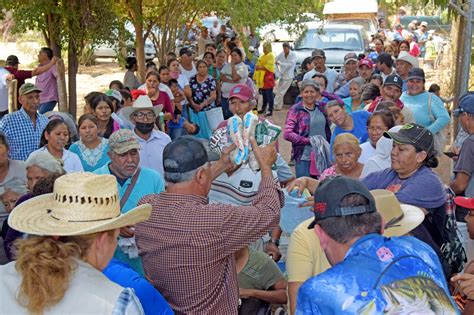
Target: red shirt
20 75
163 99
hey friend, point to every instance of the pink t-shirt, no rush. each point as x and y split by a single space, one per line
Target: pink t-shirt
47 83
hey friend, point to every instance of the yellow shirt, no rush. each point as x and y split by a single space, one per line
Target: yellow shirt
305 257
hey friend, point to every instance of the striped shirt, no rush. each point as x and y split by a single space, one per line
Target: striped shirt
22 135
187 246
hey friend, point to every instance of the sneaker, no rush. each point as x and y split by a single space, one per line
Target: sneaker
260 112
268 114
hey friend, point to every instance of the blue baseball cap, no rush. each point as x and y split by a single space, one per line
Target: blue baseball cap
466 105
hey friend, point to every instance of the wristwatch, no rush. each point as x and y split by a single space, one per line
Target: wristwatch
276 242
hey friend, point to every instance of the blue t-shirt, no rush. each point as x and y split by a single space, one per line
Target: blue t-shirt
152 301
418 104
378 275
359 131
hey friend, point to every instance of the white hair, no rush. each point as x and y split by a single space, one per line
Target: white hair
15 185
45 161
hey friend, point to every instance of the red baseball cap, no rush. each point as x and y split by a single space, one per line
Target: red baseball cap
242 92
366 62
465 202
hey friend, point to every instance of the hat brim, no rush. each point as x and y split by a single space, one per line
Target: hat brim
129 110
464 202
417 77
240 97
412 217
397 137
32 90
351 59
32 217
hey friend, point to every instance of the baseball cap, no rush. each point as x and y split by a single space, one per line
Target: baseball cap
115 94
329 194
424 23
184 154
405 56
318 53
385 58
415 135
416 73
122 141
466 105
27 88
465 202
251 48
12 60
366 62
394 79
350 57
185 51
242 92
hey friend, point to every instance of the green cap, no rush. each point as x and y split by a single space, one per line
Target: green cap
27 88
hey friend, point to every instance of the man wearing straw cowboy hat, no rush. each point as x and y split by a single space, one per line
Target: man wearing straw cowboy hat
73 231
370 273
188 245
152 142
133 183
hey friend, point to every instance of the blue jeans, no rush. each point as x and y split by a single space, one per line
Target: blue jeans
268 100
176 132
225 108
302 168
47 107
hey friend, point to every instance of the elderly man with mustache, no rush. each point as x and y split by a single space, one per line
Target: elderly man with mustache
133 182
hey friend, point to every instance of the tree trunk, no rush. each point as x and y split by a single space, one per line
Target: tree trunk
136 16
73 66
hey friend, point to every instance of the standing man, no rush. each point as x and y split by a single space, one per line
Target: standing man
133 183
398 272
404 63
188 245
152 142
319 62
24 127
422 37
186 64
385 65
46 81
214 29
21 75
285 70
463 183
349 72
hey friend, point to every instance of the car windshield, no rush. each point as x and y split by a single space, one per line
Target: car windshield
341 39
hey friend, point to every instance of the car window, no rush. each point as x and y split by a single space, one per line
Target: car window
330 39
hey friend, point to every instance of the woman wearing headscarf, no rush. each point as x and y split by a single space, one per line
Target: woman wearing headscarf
264 77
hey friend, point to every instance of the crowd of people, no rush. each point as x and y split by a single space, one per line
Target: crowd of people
167 195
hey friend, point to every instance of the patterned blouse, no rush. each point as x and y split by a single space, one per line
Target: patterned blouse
91 159
202 90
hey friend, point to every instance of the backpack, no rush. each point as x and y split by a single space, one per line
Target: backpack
452 248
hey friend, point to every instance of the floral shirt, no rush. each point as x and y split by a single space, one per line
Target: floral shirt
202 90
91 159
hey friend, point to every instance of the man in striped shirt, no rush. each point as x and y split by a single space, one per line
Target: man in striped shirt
187 246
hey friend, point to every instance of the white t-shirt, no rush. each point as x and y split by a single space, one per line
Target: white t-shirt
3 89
368 151
182 81
188 73
242 71
72 163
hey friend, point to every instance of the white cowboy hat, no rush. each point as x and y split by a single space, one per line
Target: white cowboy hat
81 203
399 219
142 102
405 56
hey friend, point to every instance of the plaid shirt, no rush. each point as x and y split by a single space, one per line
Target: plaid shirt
187 246
22 135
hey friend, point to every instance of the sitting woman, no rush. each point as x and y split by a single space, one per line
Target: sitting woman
353 123
354 101
346 152
91 149
377 124
305 119
54 139
78 238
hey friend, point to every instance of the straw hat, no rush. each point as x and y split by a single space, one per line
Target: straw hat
399 219
142 102
81 203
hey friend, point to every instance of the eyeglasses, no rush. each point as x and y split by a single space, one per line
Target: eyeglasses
143 115
378 129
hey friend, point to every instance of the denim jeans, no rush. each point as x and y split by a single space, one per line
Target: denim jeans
302 168
47 107
268 99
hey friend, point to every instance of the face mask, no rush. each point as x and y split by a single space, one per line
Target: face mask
144 128
174 75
